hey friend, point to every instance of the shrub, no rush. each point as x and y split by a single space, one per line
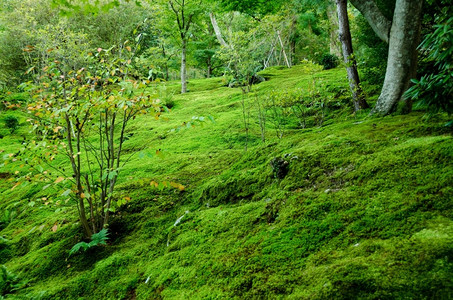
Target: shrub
11 122
329 61
435 89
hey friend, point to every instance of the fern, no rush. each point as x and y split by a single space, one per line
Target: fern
9 282
99 238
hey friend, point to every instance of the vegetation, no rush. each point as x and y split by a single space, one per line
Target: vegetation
260 181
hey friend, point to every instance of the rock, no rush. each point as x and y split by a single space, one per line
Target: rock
280 167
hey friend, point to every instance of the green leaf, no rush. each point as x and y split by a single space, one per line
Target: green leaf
112 174
67 192
77 247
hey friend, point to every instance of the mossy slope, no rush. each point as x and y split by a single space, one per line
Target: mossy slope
365 211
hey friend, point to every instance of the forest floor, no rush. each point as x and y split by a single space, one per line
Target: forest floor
349 207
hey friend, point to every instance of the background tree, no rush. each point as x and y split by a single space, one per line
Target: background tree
348 55
184 13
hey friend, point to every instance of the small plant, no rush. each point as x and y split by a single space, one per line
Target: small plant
84 116
261 117
97 239
166 97
329 61
6 218
12 123
9 282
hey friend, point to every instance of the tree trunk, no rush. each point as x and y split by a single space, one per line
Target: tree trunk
348 55
283 49
380 24
209 69
164 54
335 48
216 28
403 35
402 58
183 67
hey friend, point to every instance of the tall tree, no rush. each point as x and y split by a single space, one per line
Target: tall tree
403 35
185 12
348 55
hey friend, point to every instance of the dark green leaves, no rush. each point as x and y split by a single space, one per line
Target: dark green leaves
97 239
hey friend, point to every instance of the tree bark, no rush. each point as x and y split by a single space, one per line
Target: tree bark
283 49
403 35
184 22
216 28
183 67
380 24
348 55
402 59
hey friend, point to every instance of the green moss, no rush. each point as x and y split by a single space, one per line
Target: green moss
364 212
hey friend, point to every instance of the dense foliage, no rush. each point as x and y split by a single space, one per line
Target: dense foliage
435 89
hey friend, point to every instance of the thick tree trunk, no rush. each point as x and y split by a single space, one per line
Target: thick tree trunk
402 59
183 67
348 55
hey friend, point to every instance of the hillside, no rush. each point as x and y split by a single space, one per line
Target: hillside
349 207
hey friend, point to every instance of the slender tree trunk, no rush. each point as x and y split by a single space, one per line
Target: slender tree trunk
183 67
164 54
348 55
209 69
283 49
217 31
402 58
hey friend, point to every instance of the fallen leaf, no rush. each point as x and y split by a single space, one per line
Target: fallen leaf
59 179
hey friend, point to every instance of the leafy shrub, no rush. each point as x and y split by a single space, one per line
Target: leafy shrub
11 122
97 239
17 98
329 61
435 90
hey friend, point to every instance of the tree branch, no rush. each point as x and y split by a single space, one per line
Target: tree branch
380 24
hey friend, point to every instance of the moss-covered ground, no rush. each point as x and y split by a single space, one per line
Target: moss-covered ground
364 212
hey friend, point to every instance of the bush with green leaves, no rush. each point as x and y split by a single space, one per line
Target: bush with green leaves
11 122
329 61
435 90
97 239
